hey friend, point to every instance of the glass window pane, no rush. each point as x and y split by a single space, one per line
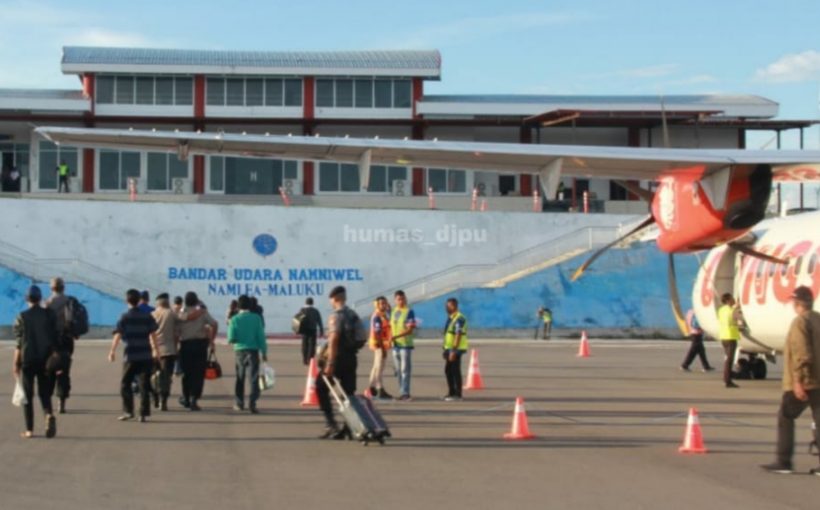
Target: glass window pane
457 181
236 91
437 179
378 179
157 171
291 169
293 92
273 92
48 168
395 173
129 166
328 177
384 93
177 168
145 90
349 177
109 170
324 93
216 92
364 93
401 94
254 92
21 160
344 93
217 173
125 90
165 90
105 90
184 94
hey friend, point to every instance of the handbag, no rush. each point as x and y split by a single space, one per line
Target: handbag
267 377
213 370
18 398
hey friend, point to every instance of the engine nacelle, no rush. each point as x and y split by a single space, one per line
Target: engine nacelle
688 218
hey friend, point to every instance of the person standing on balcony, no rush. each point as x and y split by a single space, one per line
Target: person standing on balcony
64 173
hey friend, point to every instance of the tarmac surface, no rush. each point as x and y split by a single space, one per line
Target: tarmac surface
608 429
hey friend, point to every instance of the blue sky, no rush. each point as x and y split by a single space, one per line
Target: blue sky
770 48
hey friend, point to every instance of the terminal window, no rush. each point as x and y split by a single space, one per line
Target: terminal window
362 93
116 168
163 169
250 176
447 180
50 155
253 92
144 90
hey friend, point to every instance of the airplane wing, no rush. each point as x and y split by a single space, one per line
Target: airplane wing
628 163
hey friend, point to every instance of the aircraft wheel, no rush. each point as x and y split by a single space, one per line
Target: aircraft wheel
744 369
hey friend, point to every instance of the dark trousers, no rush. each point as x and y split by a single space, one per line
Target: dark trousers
452 370
308 348
790 409
166 375
729 348
63 184
63 379
247 369
45 386
696 349
193 358
345 372
141 371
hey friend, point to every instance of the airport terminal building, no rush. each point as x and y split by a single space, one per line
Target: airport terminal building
334 94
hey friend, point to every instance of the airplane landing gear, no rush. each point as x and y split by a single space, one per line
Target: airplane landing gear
754 367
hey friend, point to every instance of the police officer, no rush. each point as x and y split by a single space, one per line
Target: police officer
345 336
729 330
455 345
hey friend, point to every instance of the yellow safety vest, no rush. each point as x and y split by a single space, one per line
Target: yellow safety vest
398 323
450 333
727 326
63 170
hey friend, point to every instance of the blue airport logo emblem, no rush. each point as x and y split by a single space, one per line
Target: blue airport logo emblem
265 245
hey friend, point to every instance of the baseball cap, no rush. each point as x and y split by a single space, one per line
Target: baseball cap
802 293
34 293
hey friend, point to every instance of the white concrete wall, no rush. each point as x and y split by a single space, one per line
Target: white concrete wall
141 242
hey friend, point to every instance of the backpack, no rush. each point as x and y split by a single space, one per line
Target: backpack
76 318
299 322
354 336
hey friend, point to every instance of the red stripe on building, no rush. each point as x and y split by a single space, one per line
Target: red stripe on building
418 184
525 136
308 114
199 174
199 99
88 170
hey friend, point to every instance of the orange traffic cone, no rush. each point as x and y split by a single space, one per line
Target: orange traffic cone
583 348
693 440
474 380
311 399
520 425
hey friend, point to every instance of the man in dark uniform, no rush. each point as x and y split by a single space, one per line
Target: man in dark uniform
345 336
312 328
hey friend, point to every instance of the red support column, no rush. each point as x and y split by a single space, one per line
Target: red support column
418 93
418 183
308 115
88 170
199 102
199 174
525 136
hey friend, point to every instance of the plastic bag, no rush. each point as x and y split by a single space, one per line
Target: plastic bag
267 377
18 398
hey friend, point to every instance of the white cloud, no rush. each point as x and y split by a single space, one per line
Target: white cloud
102 37
795 67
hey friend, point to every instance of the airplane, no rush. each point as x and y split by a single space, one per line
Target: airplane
706 199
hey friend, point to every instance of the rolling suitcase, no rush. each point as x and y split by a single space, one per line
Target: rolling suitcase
363 420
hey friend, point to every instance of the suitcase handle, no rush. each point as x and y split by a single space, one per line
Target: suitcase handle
336 390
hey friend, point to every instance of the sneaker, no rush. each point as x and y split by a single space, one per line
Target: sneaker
730 384
453 398
330 431
126 417
194 406
51 426
708 369
343 433
184 402
238 408
447 397
61 406
778 468
143 419
405 398
383 395
685 369
163 406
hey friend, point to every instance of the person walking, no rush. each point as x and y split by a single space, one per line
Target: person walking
455 345
35 331
258 309
381 342
801 379
247 335
233 309
167 339
58 303
64 173
403 327
145 302
137 331
196 339
729 330
696 347
345 336
312 328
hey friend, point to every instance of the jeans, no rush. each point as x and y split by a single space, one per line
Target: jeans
403 361
790 409
247 368
141 370
452 370
308 348
45 386
345 371
696 348
193 358
729 347
166 375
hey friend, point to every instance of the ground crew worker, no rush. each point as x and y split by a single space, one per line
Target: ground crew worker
455 345
381 342
63 172
696 347
403 327
729 335
545 317
801 378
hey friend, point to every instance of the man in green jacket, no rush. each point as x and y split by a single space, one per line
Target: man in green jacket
247 335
